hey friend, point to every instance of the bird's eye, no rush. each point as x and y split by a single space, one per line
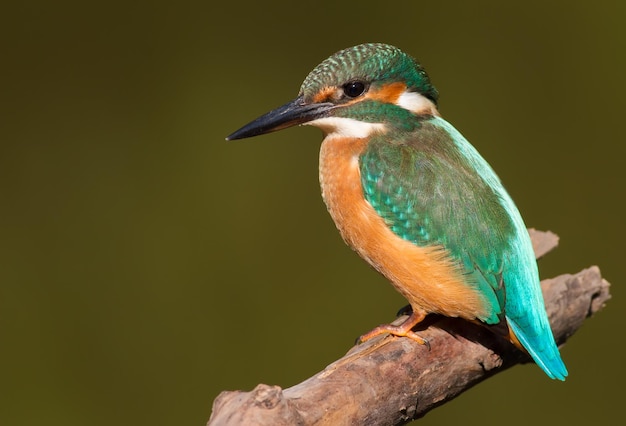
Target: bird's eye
352 89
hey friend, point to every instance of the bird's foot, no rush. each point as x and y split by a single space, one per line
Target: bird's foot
402 330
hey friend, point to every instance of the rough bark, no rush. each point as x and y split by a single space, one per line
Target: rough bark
391 380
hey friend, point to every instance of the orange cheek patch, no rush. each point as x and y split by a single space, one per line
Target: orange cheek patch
324 95
388 93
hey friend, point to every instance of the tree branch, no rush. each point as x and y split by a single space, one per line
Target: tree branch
391 380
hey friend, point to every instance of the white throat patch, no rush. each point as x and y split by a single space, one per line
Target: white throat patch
346 127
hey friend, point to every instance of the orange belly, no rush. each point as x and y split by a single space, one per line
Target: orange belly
426 276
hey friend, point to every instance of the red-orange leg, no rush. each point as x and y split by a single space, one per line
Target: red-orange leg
402 330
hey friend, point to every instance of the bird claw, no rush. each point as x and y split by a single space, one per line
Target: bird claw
419 339
381 329
402 330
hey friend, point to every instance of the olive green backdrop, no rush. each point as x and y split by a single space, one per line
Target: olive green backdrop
146 264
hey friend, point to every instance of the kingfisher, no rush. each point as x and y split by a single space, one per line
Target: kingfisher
416 200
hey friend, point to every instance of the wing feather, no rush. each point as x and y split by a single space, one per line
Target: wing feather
429 195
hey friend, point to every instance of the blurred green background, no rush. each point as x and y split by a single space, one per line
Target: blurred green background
146 264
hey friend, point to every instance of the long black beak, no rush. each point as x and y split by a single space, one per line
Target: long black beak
290 114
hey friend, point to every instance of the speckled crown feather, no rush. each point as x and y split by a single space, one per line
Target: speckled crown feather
371 62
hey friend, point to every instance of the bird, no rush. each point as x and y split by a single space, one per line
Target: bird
416 200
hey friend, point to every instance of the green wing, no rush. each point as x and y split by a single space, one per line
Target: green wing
432 187
429 194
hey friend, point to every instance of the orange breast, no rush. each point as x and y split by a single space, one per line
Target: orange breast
425 276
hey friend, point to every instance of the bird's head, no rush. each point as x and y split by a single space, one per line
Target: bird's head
353 92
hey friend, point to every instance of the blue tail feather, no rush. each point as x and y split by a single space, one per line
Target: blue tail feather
544 352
